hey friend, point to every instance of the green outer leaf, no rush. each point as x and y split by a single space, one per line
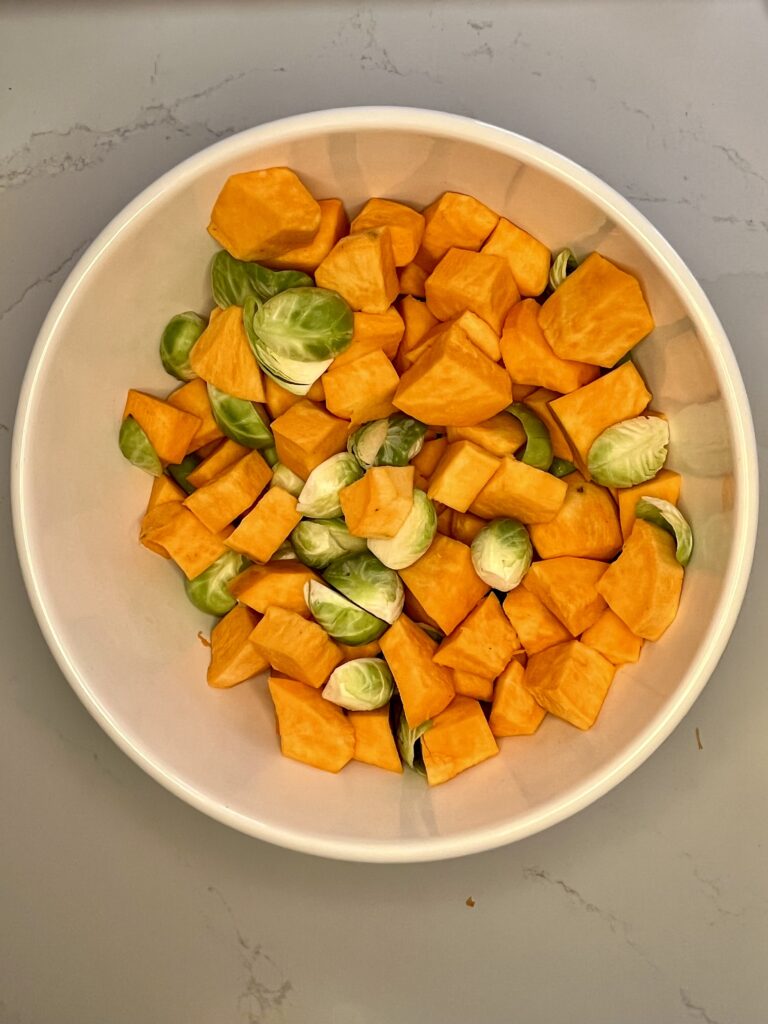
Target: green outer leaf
318 542
270 456
319 497
209 591
137 448
563 264
362 684
372 586
296 376
561 467
412 539
538 447
181 470
233 281
407 738
284 553
669 517
630 452
502 553
339 617
285 478
304 324
177 341
239 419
393 441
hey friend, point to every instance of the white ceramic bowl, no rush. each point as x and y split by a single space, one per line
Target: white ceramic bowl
115 616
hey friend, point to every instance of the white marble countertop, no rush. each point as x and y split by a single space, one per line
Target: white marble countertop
118 902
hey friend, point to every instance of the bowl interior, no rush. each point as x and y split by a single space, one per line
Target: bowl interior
116 615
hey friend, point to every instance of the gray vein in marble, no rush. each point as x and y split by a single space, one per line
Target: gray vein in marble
47 278
694 1008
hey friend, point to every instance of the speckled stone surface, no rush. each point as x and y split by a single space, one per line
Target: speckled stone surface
118 902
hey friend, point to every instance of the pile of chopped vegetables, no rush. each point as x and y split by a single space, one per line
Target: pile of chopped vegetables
412 469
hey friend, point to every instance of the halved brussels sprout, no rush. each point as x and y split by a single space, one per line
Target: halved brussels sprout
294 375
629 452
393 441
286 478
180 471
412 539
669 517
563 264
137 448
177 341
407 738
363 579
360 685
538 447
339 617
239 419
270 455
561 467
318 542
233 281
304 324
502 553
319 497
209 591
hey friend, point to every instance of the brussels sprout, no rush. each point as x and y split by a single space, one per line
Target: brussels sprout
407 738
666 515
363 579
340 618
233 281
360 685
393 441
286 478
177 341
412 539
270 455
137 448
180 471
318 542
563 264
629 452
435 634
561 467
538 447
239 419
304 324
295 375
502 553
319 497
284 553
209 591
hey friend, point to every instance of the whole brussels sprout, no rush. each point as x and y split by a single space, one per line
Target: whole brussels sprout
318 542
502 553
319 497
209 591
629 452
137 448
412 539
393 441
177 341
239 419
233 281
363 684
339 617
363 579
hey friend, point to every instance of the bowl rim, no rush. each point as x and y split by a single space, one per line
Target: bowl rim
708 327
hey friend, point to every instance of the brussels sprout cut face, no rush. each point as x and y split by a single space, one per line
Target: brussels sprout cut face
363 579
318 542
669 517
319 497
502 553
538 447
412 539
407 738
629 452
233 281
209 591
285 478
393 441
360 685
239 419
305 324
177 341
339 617
294 373
137 448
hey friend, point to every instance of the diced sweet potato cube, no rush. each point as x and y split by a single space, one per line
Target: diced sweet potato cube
306 435
334 224
570 681
415 611
164 490
361 268
312 730
296 647
222 357
500 435
481 334
418 321
278 584
266 526
522 492
411 280
569 588
529 359
460 737
597 314
643 585
233 657
170 430
259 215
424 687
226 454
539 400
445 583
361 390
429 456
613 639
278 400
483 643
528 258
470 685
230 493
454 220
193 398
444 522
515 712
378 503
374 742
471 280
584 414
406 226
465 526
352 653
153 519
453 384
521 391
587 524
186 540
665 485
534 624
373 332
461 474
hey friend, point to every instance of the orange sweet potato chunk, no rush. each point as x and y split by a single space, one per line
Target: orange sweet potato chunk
475 281
334 224
352 653
233 657
483 643
406 226
643 585
170 430
154 518
569 588
460 738
535 624
222 357
480 334
278 584
361 268
312 730
528 258
587 524
230 493
363 389
164 490
374 742
193 398
182 536
296 647
597 314
520 491
226 454
263 530
306 435
378 503
515 712
418 321
613 639
425 688
454 220
445 522
411 279
529 359
415 611
373 332
444 582
461 474
500 435
470 685
465 526
539 400
665 485
429 456
571 681
278 400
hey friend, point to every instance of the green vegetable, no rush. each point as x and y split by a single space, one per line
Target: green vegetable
181 470
412 539
538 447
270 455
285 478
284 553
360 685
319 497
363 579
666 515
137 448
393 441
233 281
340 618
629 452
304 324
318 542
563 264
239 419
209 591
295 375
177 341
502 553
561 467
407 738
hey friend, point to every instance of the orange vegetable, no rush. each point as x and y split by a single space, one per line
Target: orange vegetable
361 390
521 492
480 334
233 657
444 583
429 456
570 681
169 430
465 526
306 435
470 685
534 623
266 526
277 584
475 281
483 643
226 454
333 225
373 332
528 258
222 357
154 518
665 484
228 495
374 742
461 474
454 220
411 280
500 435
312 730
613 639
459 738
186 540
515 712
164 490
529 359
539 400
295 647
569 588
406 226
193 398
425 688
369 650
361 268
586 525
378 503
